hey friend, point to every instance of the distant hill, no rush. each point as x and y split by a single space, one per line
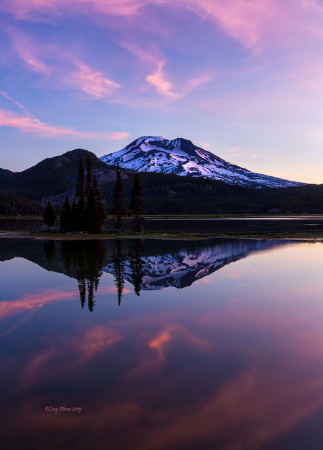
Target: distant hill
54 177
181 157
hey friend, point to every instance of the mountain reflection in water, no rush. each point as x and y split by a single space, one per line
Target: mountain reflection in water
194 358
163 264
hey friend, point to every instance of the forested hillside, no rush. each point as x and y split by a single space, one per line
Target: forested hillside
11 205
171 194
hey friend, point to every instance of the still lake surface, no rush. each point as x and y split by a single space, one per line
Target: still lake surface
176 345
296 224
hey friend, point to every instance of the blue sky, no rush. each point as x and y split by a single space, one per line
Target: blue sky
242 79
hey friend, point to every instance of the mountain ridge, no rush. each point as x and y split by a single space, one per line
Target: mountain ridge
181 157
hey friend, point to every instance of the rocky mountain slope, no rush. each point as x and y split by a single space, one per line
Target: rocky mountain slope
182 157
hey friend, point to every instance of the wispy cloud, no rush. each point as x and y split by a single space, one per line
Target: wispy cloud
29 124
90 81
61 67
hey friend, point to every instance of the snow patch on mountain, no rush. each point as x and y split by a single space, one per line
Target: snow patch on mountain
181 157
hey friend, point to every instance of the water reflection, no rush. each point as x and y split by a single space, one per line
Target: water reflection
87 261
163 264
232 364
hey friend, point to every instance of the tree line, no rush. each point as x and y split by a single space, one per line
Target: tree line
12 205
87 213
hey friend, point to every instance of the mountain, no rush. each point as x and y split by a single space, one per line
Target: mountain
182 157
53 178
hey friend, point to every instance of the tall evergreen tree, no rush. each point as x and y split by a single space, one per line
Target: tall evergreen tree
73 216
66 216
88 180
99 200
80 196
136 205
93 219
49 217
118 202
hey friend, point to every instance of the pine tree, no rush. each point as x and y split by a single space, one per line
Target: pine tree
88 181
49 216
73 216
66 216
100 204
93 219
80 195
80 182
118 202
136 205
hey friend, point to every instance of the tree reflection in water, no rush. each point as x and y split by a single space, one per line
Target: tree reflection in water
50 251
118 258
87 260
136 265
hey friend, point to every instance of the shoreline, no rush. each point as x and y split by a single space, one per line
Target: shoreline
198 216
56 236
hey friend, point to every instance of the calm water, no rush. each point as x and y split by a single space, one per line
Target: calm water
267 225
161 345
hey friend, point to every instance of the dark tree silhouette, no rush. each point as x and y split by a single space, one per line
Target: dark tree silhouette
137 266
49 217
89 180
93 218
99 200
118 202
80 192
73 216
118 269
136 205
50 251
87 259
80 196
66 216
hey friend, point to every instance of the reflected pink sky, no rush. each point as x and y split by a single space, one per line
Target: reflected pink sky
234 363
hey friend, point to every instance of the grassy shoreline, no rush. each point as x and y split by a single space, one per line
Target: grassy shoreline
53 235
199 216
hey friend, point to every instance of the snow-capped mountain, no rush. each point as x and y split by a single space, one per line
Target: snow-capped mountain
182 269
182 157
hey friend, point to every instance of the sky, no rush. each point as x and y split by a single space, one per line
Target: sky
241 78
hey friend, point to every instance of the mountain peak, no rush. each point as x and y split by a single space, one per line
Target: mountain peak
181 157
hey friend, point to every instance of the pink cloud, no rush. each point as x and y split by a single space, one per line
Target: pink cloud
64 69
94 83
33 125
33 302
250 22
79 350
162 86
158 78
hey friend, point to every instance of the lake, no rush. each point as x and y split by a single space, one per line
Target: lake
177 345
295 224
